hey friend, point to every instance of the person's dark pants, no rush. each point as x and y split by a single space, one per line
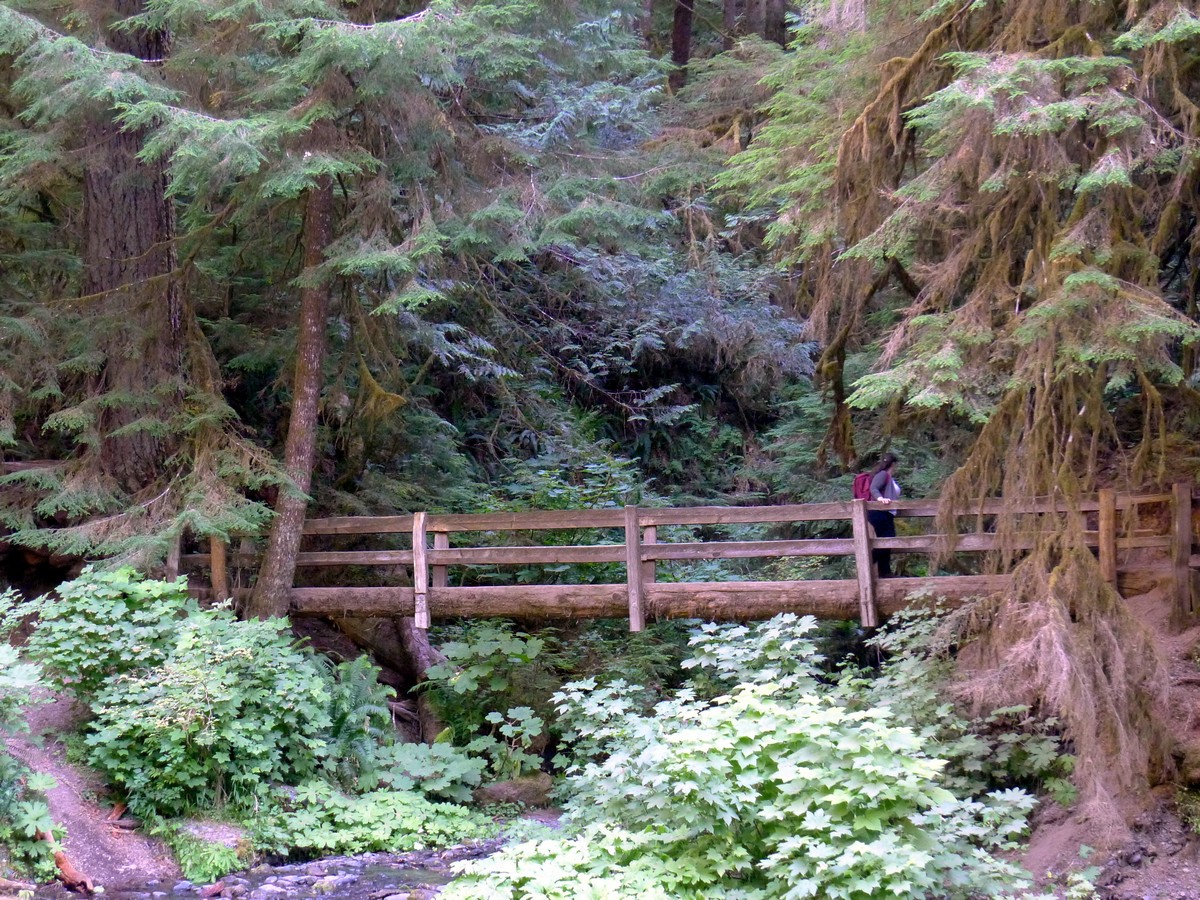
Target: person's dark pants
884 524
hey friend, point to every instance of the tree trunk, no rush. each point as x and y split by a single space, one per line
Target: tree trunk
755 20
270 596
681 42
730 21
128 264
775 21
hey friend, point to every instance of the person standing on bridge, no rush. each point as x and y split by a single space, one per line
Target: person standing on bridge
885 490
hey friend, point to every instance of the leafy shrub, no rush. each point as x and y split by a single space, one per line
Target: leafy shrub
17 683
493 670
776 788
199 860
438 770
1007 747
507 745
234 708
104 624
487 665
317 819
651 657
24 815
1188 804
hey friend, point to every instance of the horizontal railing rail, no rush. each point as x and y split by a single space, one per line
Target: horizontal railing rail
636 544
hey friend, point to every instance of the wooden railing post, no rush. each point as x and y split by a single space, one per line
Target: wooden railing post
650 566
1108 535
1181 553
218 571
863 564
633 569
173 554
440 576
420 572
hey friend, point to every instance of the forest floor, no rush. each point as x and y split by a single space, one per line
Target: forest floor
1159 858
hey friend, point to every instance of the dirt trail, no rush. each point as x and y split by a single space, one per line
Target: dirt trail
107 855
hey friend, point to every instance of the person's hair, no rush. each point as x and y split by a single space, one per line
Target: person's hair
885 462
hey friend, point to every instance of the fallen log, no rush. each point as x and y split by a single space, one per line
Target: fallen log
67 873
730 601
15 887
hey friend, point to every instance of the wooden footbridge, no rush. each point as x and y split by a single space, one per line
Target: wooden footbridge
1136 537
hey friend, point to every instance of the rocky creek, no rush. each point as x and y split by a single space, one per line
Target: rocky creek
372 876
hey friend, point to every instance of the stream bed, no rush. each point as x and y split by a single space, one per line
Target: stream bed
418 875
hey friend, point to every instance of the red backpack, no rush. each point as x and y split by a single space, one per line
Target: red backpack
862 486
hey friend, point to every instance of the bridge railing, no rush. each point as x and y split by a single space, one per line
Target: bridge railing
432 555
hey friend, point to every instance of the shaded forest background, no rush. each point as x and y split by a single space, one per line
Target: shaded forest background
263 259
507 254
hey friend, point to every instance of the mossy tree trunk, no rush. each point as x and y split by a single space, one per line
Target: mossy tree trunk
270 596
129 260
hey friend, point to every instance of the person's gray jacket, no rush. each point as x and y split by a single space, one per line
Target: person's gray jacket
884 487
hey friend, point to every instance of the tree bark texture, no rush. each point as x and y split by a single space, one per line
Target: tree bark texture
775 21
740 601
766 18
647 23
681 42
754 17
422 655
732 11
270 596
128 264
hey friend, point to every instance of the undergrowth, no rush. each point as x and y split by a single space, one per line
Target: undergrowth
1062 643
196 711
24 813
762 778
753 765
316 819
1188 803
199 860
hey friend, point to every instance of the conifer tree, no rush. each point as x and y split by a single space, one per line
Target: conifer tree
510 271
129 259
1002 201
